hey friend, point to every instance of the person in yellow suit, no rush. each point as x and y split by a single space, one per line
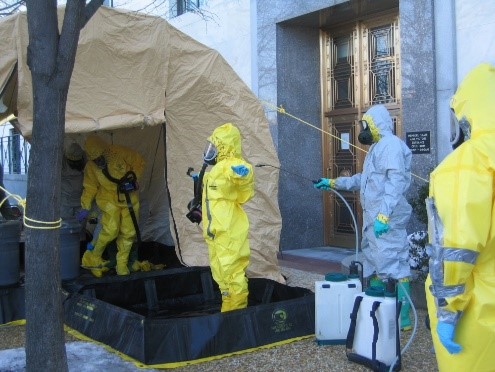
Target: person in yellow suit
111 172
460 287
228 185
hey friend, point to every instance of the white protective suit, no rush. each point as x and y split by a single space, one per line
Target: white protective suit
385 178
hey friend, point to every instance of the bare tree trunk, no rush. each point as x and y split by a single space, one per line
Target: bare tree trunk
45 346
51 59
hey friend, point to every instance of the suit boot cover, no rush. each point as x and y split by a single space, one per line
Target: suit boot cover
226 302
404 287
122 259
124 248
234 301
238 301
133 263
92 261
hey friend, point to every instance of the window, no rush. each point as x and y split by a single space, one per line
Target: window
178 7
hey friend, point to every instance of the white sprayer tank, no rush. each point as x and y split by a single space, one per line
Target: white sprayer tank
334 299
386 345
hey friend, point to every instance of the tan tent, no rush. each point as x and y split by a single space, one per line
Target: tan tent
140 82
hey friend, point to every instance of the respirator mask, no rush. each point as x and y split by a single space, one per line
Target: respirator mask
460 130
365 136
210 154
100 162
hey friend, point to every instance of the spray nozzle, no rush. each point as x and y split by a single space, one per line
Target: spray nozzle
353 268
390 287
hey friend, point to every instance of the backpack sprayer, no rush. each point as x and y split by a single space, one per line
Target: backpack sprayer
194 206
366 322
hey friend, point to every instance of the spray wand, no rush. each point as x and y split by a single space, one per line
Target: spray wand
334 191
286 171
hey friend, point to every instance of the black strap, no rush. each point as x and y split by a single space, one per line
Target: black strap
398 364
352 327
133 217
111 179
376 330
109 176
126 176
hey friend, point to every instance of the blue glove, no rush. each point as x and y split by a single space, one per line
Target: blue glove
195 176
241 170
380 228
445 333
82 214
324 184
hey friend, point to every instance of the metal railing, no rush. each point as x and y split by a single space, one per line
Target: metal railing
14 154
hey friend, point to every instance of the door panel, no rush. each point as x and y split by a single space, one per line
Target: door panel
360 68
342 163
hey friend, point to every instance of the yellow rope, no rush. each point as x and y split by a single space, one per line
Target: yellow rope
22 202
283 111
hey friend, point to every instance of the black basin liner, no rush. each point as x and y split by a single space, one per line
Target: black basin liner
172 316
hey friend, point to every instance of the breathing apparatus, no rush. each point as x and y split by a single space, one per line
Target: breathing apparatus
194 206
210 155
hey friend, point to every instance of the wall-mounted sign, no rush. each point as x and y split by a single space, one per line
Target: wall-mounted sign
418 142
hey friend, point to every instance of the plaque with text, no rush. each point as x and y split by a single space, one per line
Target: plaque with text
418 142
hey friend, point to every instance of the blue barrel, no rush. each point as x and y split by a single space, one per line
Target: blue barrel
70 235
10 232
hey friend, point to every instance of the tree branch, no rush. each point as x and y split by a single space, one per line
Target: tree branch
90 10
77 15
69 38
43 37
8 9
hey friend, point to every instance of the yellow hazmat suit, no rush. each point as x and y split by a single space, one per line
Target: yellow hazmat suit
116 220
461 285
225 224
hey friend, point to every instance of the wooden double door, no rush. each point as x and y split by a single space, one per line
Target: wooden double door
360 68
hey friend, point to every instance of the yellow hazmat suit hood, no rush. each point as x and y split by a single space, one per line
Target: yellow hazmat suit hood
227 140
94 146
474 100
379 121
